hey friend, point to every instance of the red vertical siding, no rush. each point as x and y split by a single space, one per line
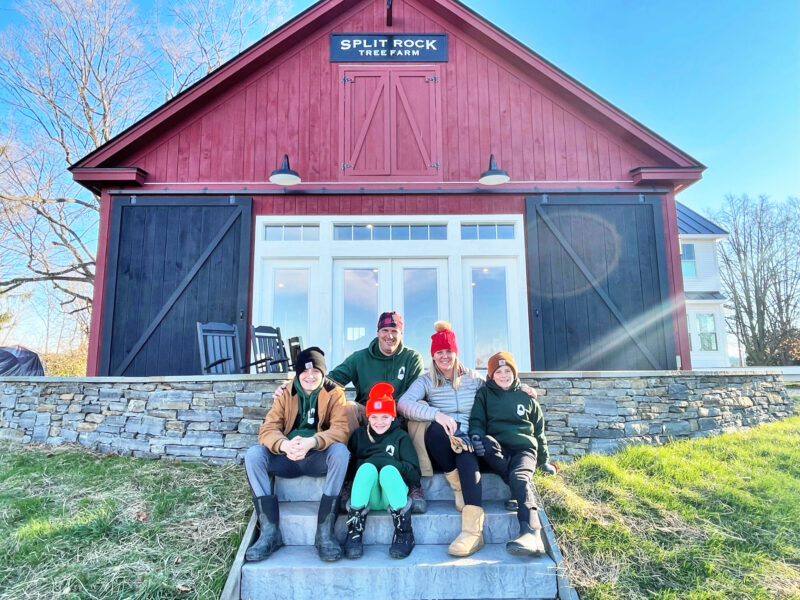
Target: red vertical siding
96 325
387 205
292 107
676 293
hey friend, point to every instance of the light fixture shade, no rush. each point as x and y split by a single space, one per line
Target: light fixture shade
284 175
493 176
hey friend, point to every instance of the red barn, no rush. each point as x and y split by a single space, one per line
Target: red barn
389 113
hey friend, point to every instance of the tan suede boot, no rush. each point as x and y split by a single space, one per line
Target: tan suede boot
455 485
470 540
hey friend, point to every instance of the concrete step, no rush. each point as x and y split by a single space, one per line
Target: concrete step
440 525
436 488
297 573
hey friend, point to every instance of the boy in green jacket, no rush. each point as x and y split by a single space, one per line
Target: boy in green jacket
386 466
506 427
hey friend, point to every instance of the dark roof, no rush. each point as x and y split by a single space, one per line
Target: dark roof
690 222
704 296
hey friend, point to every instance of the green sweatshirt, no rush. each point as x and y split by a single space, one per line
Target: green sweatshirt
511 417
393 447
368 366
305 425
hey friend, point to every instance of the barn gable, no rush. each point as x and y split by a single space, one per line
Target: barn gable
284 96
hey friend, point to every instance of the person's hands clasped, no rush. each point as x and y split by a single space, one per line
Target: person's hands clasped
297 448
477 443
447 422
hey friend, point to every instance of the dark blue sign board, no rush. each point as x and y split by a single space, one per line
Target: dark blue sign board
379 47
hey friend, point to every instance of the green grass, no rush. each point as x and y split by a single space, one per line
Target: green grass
75 525
698 520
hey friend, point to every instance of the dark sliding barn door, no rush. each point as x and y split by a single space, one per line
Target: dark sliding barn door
598 283
172 262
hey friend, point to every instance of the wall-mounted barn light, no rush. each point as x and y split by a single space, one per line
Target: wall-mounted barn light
493 176
284 175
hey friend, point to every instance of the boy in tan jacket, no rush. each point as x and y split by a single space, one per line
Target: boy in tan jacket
304 433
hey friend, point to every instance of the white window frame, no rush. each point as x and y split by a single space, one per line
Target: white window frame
454 250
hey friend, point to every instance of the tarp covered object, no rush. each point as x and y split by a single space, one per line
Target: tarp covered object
20 362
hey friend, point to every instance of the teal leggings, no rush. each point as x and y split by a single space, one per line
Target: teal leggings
380 491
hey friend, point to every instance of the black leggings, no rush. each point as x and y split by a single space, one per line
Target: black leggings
516 467
438 444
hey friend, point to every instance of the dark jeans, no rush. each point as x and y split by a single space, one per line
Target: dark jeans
438 444
516 467
261 464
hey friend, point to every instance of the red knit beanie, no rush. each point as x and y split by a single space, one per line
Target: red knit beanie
380 400
444 338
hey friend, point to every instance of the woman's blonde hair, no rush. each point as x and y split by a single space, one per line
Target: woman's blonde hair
437 377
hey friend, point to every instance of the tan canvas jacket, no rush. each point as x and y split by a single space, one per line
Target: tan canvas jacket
331 425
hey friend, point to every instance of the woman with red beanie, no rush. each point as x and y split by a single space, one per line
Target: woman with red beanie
444 397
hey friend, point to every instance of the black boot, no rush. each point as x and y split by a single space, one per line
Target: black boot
403 538
270 538
328 547
529 542
354 543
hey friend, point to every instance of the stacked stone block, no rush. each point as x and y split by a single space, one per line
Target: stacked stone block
215 419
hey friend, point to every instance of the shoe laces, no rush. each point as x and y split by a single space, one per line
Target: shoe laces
355 525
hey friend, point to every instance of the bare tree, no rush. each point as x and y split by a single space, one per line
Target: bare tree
761 276
194 38
73 75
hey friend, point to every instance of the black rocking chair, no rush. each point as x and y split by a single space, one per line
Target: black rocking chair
269 352
219 350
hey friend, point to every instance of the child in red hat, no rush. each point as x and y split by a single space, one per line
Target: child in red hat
386 466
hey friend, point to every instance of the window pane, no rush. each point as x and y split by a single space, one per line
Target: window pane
419 232
505 232
290 302
310 233
687 251
489 313
708 342
343 232
274 233
487 232
688 268
399 232
380 232
360 307
361 232
438 232
420 307
705 323
291 234
469 232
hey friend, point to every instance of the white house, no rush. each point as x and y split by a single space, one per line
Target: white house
702 286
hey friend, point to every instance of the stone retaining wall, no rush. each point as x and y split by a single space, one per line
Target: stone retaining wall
215 419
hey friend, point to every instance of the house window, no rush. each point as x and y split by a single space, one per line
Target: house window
291 233
487 231
331 290
400 232
706 331
688 265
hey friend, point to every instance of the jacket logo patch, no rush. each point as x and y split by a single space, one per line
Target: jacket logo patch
311 414
401 373
520 410
390 450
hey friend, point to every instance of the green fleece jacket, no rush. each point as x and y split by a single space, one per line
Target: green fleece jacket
393 447
369 366
511 417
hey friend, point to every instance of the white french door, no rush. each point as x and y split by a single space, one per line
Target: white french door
362 289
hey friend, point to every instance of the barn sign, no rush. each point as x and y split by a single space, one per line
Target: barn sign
409 47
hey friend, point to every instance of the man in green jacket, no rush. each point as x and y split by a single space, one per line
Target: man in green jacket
385 359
